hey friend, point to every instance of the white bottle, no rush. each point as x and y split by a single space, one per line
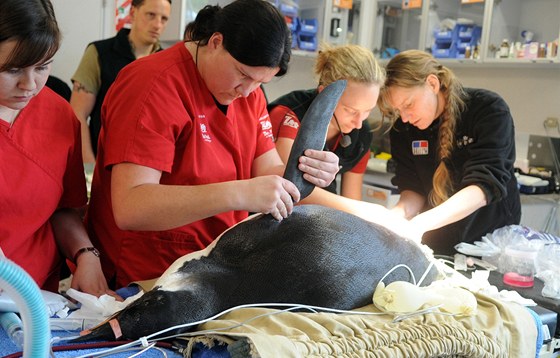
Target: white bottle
511 52
11 323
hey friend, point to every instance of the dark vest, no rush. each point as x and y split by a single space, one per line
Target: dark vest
299 102
114 53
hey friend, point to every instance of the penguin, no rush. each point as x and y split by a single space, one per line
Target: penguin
317 256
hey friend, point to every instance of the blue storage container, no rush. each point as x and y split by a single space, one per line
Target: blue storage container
307 42
444 52
444 43
288 8
443 36
466 36
308 26
292 23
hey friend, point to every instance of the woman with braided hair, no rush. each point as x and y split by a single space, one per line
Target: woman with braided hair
454 149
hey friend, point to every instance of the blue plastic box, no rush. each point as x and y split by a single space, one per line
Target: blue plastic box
307 42
293 23
308 26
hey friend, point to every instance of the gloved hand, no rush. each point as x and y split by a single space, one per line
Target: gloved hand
94 307
478 248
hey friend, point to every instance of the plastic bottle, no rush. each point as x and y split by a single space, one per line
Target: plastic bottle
467 52
511 52
542 50
504 49
11 323
475 53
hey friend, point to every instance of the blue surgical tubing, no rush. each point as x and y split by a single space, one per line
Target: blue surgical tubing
27 296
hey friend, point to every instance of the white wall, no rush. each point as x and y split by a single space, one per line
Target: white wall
80 22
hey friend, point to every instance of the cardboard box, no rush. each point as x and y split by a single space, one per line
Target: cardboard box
378 195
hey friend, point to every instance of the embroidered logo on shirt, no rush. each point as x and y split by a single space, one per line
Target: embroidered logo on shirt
290 122
266 126
420 147
204 133
463 142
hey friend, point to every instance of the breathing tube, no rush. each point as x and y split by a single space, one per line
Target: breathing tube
27 296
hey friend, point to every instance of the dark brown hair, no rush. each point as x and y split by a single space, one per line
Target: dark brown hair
255 32
32 24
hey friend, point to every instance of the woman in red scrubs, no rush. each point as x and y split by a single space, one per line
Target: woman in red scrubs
186 148
42 180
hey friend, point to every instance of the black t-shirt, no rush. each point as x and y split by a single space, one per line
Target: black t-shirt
483 155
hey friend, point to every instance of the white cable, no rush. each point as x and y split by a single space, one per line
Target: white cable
143 350
291 306
426 273
313 309
396 267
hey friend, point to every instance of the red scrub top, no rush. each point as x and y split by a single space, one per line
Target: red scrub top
41 170
160 114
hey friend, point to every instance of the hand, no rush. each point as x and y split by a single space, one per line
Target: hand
271 194
390 219
404 228
88 277
319 167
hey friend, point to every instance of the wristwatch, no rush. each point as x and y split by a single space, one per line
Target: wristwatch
91 249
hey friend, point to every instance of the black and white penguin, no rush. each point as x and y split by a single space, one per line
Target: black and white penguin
317 256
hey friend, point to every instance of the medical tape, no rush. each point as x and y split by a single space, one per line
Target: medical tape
116 327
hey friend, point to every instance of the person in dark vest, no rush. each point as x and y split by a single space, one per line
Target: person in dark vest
103 60
349 135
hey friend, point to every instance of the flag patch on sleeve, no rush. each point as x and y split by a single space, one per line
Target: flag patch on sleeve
420 147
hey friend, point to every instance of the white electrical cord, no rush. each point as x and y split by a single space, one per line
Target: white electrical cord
289 307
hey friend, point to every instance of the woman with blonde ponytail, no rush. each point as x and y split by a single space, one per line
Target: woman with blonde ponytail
349 135
454 148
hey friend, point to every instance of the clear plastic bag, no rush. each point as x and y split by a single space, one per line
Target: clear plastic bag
493 246
548 270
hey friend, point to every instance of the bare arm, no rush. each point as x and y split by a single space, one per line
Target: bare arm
460 205
82 101
368 211
351 185
141 203
70 236
284 147
410 204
